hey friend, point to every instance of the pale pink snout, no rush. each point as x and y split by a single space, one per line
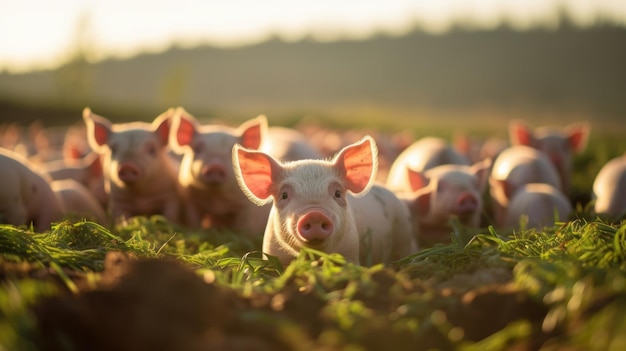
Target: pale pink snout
128 172
213 173
315 226
466 203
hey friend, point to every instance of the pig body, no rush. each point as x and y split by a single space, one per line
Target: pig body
206 171
331 206
540 205
559 144
436 195
514 168
78 201
140 176
422 155
609 188
86 171
25 194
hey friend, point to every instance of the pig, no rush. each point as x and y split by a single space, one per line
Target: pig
539 205
515 167
422 155
140 176
437 194
25 195
609 188
86 171
78 201
206 171
559 144
328 205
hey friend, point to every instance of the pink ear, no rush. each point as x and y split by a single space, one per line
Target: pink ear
161 125
482 170
417 179
252 132
577 136
185 127
256 171
98 128
359 164
520 134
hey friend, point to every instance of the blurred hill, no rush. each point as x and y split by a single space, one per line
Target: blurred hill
563 69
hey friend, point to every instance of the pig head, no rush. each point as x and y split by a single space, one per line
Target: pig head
140 176
559 144
311 198
440 193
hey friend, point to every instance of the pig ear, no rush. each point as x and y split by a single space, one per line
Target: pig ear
98 130
183 131
162 125
521 134
422 201
482 170
358 163
255 172
252 132
417 179
577 135
94 164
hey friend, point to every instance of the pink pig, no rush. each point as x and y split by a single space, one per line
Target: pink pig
436 195
78 201
515 167
25 194
559 144
86 171
539 205
140 175
609 188
331 206
422 155
206 170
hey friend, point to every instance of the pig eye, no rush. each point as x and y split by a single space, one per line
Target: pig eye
151 150
284 195
337 194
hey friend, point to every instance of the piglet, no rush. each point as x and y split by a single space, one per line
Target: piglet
86 171
206 171
25 194
537 205
328 205
515 167
609 188
436 195
140 176
559 144
420 156
78 201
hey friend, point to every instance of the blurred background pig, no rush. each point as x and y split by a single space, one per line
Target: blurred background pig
609 188
78 202
25 195
537 205
559 144
139 173
332 206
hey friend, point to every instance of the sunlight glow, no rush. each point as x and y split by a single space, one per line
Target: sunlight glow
43 34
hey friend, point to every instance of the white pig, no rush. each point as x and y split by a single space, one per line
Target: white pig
609 188
78 201
422 155
206 170
140 175
435 195
328 205
540 205
515 167
87 171
25 194
559 144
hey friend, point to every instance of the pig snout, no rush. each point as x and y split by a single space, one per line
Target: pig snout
314 226
129 173
466 203
213 173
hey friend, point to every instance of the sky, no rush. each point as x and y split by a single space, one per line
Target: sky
38 34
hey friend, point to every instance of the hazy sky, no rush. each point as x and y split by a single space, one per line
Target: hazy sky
41 33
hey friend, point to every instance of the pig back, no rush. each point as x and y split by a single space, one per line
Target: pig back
609 187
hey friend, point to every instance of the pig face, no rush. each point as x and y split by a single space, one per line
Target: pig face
207 150
449 190
133 152
310 197
558 144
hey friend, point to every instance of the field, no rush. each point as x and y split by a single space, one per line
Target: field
147 284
